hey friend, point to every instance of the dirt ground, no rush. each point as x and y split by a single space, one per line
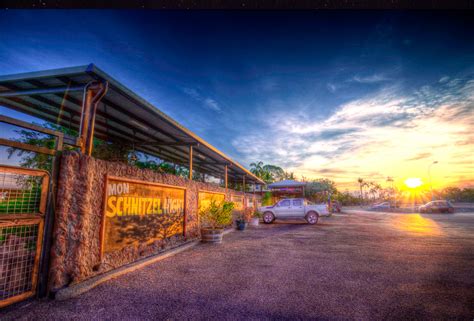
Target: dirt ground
364 266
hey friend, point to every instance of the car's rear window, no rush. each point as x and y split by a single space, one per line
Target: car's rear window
297 203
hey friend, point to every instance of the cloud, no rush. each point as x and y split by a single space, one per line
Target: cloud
212 104
327 134
390 132
443 79
370 79
207 102
332 171
331 87
419 156
192 93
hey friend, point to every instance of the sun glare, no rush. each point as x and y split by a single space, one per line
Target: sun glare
413 182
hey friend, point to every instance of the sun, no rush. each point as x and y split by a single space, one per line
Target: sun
413 182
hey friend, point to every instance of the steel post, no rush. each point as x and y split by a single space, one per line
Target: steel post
225 178
190 162
243 189
93 93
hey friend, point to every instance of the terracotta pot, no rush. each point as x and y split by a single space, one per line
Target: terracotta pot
254 221
209 235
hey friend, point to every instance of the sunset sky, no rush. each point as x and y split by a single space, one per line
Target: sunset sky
328 94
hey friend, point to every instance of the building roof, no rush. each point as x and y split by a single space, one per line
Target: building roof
122 116
286 183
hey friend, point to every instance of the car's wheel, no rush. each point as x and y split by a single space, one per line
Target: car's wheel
268 217
312 218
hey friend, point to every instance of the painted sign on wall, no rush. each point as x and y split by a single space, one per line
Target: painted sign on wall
205 198
238 202
139 212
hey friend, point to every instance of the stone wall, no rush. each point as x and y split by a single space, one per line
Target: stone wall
75 254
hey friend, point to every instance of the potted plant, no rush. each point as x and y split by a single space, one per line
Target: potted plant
214 218
255 218
243 218
240 222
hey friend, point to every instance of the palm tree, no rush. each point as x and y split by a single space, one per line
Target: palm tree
257 168
374 189
288 175
361 184
268 173
275 173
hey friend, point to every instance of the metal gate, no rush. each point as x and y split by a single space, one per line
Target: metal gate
23 197
27 198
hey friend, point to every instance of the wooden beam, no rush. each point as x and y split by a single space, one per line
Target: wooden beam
168 144
36 149
212 163
20 123
190 162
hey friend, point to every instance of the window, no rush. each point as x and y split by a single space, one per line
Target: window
297 203
285 203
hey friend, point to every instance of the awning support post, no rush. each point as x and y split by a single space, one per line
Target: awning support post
225 178
190 162
243 189
93 93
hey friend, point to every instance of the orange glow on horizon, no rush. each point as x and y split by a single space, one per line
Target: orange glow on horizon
413 182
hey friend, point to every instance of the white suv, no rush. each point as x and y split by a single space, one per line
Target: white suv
291 208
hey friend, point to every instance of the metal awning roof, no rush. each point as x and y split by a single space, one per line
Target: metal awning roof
122 116
286 183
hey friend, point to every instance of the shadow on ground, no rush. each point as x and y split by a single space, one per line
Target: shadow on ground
350 266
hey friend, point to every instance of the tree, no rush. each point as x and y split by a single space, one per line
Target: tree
374 189
319 190
257 169
288 175
30 137
346 198
276 173
268 173
361 185
267 199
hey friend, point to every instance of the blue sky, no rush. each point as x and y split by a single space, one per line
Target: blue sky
324 94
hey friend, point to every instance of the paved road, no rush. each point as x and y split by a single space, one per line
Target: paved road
364 266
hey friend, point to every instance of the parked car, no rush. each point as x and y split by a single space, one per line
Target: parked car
437 207
381 206
291 208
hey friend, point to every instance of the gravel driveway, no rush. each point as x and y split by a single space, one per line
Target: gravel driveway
364 266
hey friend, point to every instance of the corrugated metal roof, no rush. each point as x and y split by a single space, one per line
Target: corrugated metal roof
286 183
122 116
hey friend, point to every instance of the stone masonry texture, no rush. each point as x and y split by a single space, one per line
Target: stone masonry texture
75 253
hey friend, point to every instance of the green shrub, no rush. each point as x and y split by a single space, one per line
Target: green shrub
257 214
217 215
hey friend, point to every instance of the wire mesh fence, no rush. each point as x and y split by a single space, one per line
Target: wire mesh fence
22 202
18 248
20 193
